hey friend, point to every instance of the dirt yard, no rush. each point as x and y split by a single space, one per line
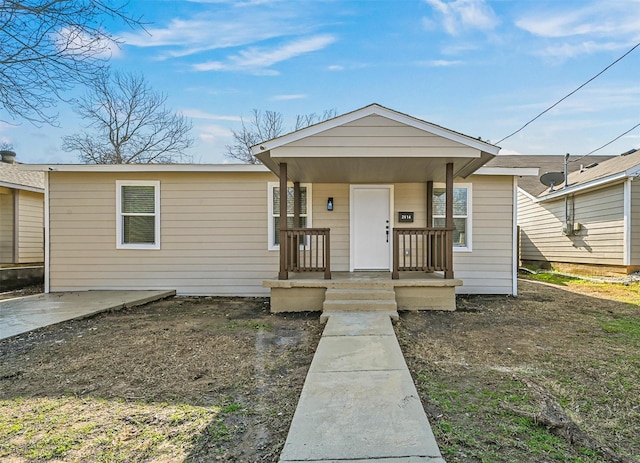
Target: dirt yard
549 376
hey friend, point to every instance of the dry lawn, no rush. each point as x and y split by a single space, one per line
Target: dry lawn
550 376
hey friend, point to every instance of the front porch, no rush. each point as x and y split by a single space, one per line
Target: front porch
363 248
411 291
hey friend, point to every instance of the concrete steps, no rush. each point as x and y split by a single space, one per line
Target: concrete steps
372 299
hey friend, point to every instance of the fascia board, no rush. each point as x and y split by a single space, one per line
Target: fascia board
585 186
17 186
379 111
238 168
517 171
528 195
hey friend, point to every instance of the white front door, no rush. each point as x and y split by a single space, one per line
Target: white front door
370 228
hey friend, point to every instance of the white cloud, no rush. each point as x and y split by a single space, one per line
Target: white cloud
199 114
440 63
210 133
569 50
298 96
335 67
259 59
188 37
75 41
596 19
227 24
461 15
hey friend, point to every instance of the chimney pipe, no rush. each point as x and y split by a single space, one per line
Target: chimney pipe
8 157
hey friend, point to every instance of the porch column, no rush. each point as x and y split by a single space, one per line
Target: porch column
283 274
296 220
430 204
449 221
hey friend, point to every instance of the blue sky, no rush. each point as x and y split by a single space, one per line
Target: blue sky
479 67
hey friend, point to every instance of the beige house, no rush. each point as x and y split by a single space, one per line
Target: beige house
21 214
591 224
371 195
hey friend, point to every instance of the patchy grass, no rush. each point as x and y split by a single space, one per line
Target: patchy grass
185 379
76 429
550 376
622 292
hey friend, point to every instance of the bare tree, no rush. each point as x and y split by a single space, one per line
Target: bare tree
306 120
263 126
128 124
48 47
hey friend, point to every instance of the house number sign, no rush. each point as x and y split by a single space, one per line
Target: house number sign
405 216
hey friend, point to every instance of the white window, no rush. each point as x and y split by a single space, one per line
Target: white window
274 210
137 214
461 214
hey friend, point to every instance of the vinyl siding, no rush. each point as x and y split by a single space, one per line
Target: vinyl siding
6 225
30 227
599 241
634 225
337 220
213 234
375 136
488 268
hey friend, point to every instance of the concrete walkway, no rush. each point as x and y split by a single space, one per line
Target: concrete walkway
359 402
24 314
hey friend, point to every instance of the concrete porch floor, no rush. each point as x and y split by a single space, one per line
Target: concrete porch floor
23 314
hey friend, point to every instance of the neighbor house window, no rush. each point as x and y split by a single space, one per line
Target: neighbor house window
138 214
461 214
274 211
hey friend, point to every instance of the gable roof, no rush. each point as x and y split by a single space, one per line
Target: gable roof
11 176
373 144
545 163
377 110
596 174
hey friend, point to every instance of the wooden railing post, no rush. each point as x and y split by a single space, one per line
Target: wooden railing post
283 274
395 275
327 257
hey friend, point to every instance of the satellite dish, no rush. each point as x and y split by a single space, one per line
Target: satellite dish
552 179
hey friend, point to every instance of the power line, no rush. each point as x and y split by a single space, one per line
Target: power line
567 96
607 144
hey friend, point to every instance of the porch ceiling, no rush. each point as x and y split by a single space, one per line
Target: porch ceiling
373 169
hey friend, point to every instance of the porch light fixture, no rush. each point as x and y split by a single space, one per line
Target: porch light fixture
330 204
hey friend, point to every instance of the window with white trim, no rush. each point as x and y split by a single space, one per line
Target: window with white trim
137 214
461 214
274 210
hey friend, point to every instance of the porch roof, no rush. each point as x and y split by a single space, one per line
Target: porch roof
374 144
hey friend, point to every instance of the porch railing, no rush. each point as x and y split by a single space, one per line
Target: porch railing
305 250
422 250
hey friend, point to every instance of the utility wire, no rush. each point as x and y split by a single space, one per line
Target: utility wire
567 96
606 144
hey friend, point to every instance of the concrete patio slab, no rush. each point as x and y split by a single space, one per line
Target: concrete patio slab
23 314
358 402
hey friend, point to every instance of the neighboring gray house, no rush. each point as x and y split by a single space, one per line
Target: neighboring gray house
21 214
589 226
21 225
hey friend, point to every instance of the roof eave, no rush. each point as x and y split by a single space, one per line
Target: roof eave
238 168
17 186
512 171
374 109
583 187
